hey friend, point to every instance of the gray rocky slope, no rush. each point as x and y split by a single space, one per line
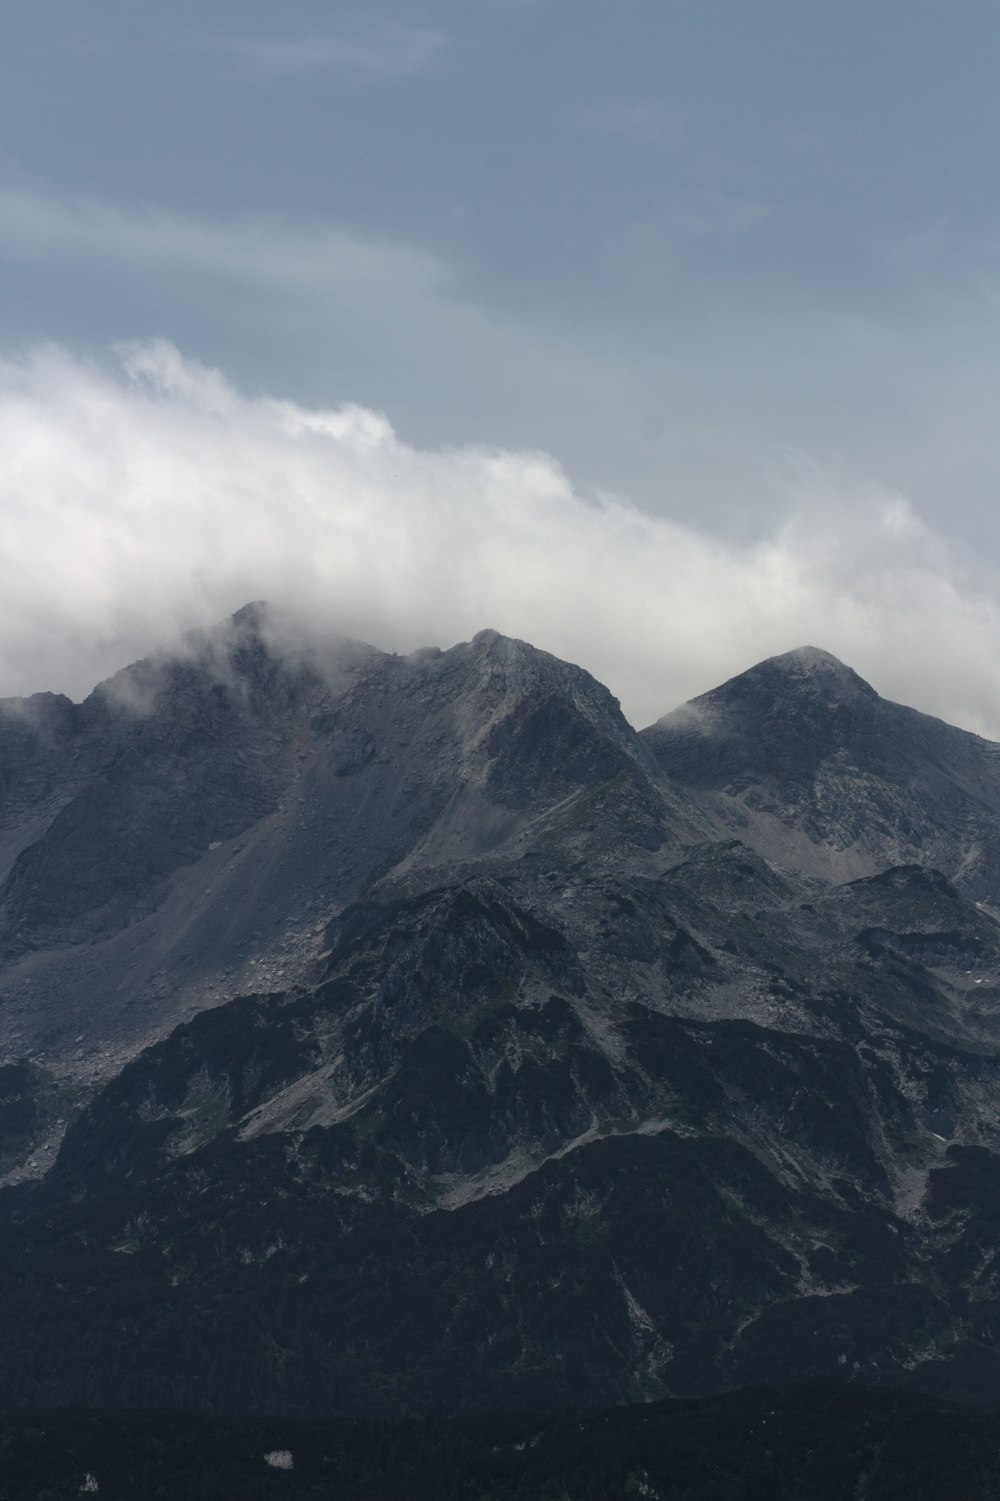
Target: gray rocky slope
802 759
186 831
582 1065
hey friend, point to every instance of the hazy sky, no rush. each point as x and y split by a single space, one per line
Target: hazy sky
732 266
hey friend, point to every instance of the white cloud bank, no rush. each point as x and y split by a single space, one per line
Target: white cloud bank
149 496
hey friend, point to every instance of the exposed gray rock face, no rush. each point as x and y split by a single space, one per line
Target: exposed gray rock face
803 760
186 832
558 1092
549 1133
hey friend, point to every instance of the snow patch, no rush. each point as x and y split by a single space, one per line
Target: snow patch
280 1459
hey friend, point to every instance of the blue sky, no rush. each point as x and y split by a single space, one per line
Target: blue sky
706 255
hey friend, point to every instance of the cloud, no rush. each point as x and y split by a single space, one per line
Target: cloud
394 294
635 120
685 403
353 303
148 495
378 51
317 261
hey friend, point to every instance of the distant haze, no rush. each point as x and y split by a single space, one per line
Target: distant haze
145 495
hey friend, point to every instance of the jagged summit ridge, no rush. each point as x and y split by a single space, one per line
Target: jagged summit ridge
186 831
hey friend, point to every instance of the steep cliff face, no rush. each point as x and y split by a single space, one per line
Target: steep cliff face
570 1096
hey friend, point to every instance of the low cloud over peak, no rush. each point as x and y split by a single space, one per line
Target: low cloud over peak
149 495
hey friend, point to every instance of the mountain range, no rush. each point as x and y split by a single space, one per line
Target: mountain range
396 1034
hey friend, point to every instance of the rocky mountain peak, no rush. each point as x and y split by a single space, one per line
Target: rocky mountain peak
513 665
252 616
808 670
486 639
802 759
420 1010
806 685
208 805
782 716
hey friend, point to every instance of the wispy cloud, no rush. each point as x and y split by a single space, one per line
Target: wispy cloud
636 120
310 260
373 292
376 51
